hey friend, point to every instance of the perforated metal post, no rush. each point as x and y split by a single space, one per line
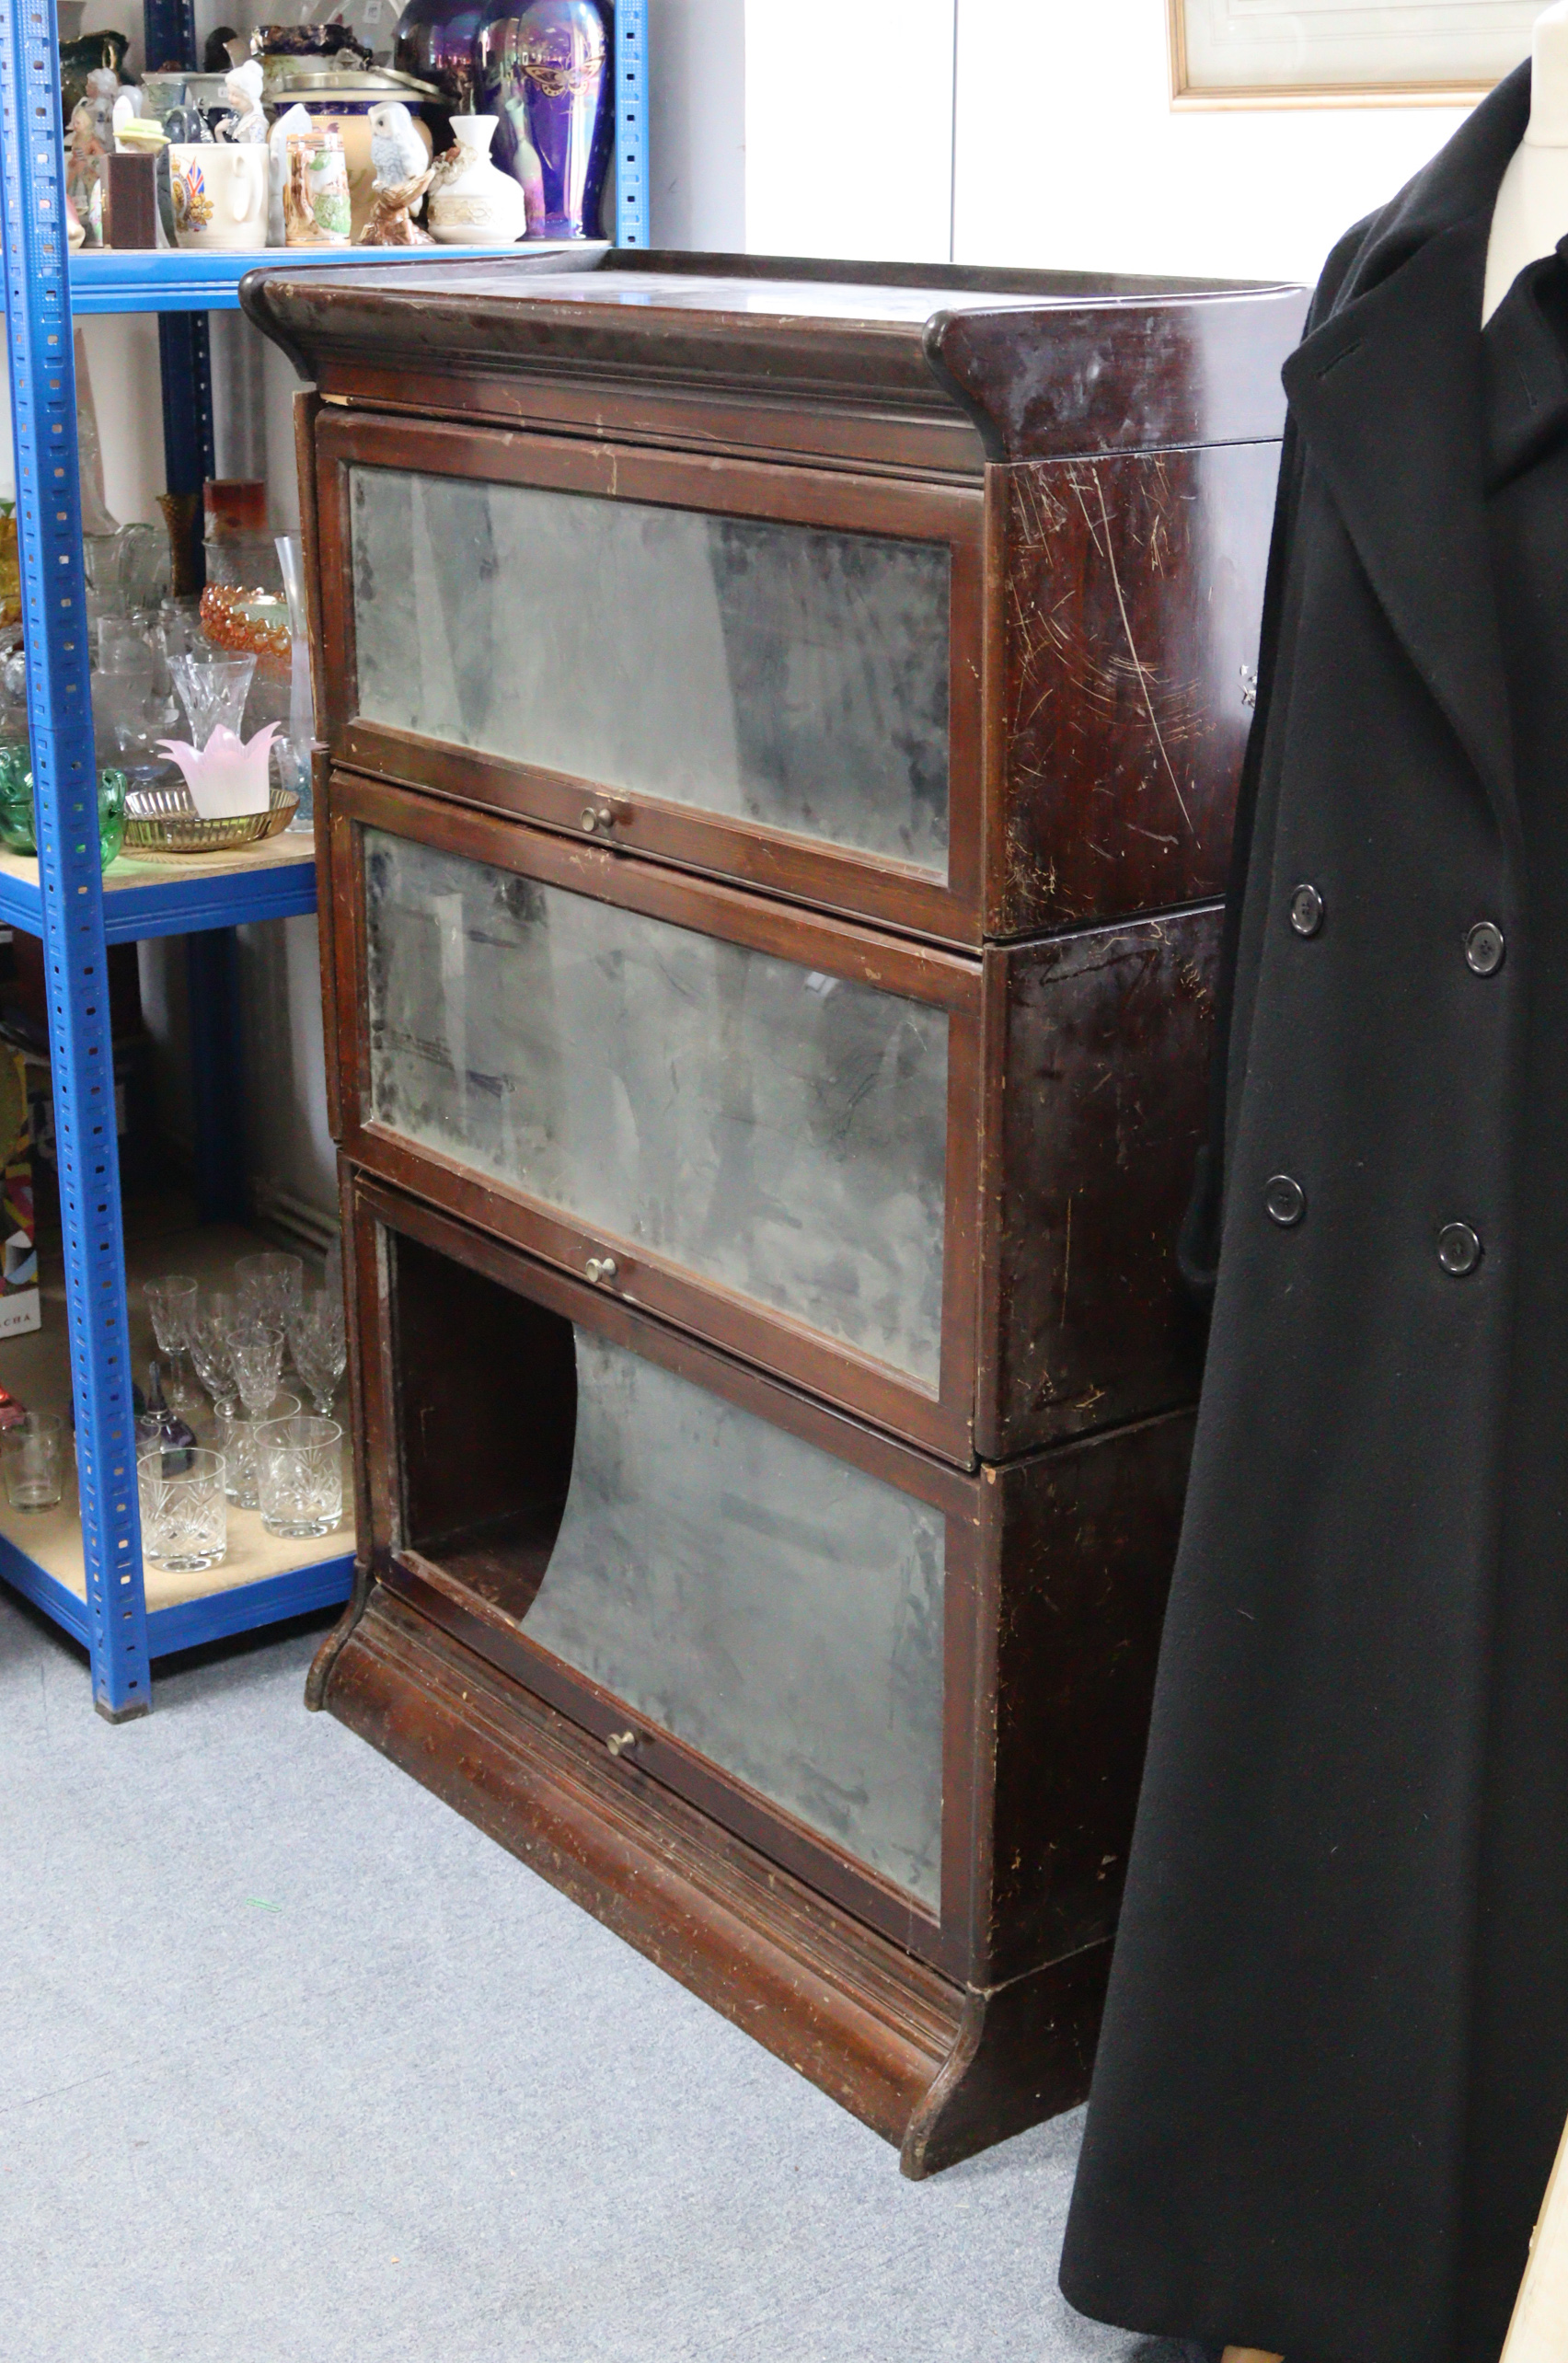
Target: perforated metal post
631 122
48 517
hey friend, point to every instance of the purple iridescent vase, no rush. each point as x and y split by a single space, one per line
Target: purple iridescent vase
544 69
438 40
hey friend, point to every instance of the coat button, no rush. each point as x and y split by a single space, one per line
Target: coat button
1459 1249
1306 910
1285 1199
1484 948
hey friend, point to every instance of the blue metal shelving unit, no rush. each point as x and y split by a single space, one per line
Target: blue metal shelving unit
68 905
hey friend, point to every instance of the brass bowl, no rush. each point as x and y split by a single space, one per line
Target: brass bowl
164 820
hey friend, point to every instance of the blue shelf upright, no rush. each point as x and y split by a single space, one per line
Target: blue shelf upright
631 122
48 517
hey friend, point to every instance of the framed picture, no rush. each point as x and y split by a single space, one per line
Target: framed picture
1295 53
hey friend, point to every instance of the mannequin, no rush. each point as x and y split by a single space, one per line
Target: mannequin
1529 219
1531 214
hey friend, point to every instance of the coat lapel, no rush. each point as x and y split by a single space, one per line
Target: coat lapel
1387 393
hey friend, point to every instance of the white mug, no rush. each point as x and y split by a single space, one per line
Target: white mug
220 193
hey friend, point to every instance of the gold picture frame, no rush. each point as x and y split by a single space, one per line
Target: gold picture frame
1251 54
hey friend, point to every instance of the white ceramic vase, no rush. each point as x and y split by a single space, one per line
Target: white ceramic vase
472 202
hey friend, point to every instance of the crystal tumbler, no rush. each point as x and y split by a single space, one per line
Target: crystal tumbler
299 1473
184 1513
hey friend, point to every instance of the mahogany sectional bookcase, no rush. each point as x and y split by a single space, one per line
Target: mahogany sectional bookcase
782 726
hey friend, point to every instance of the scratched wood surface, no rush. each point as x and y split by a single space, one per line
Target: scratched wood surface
1101 1101
1134 588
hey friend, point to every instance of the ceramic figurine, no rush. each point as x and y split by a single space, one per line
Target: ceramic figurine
391 211
403 174
243 90
396 151
85 158
472 202
545 75
103 89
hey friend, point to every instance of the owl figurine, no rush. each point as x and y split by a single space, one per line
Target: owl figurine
397 152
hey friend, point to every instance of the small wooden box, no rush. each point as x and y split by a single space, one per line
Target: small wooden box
782 726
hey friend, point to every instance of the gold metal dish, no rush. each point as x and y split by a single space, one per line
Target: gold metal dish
164 820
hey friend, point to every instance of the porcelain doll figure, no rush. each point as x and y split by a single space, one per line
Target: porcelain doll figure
243 90
103 89
86 155
472 202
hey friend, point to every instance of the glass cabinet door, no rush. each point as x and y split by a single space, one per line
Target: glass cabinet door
794 677
772 1606
777 1131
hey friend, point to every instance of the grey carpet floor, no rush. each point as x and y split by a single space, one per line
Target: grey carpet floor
294 2064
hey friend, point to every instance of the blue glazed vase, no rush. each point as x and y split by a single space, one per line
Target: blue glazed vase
546 71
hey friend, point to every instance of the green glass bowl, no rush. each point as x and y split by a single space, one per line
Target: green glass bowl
17 831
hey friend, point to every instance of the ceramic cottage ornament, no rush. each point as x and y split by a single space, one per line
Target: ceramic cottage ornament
472 202
229 775
403 173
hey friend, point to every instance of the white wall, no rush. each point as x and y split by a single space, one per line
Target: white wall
1069 152
1031 131
697 131
849 128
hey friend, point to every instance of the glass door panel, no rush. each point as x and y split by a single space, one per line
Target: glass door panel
779 1131
792 676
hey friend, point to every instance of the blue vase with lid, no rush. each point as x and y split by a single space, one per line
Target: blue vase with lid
546 71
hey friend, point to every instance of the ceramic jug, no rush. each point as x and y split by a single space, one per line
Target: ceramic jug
219 194
471 200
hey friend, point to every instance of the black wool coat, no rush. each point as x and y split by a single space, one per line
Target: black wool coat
1334 2063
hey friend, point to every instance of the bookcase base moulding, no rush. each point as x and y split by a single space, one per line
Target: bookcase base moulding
876 1907
782 723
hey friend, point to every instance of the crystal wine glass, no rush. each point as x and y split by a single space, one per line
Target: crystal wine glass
171 1301
255 1351
318 1337
213 689
216 1313
270 1286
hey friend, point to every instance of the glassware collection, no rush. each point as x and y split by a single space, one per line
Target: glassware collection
237 656
253 1450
